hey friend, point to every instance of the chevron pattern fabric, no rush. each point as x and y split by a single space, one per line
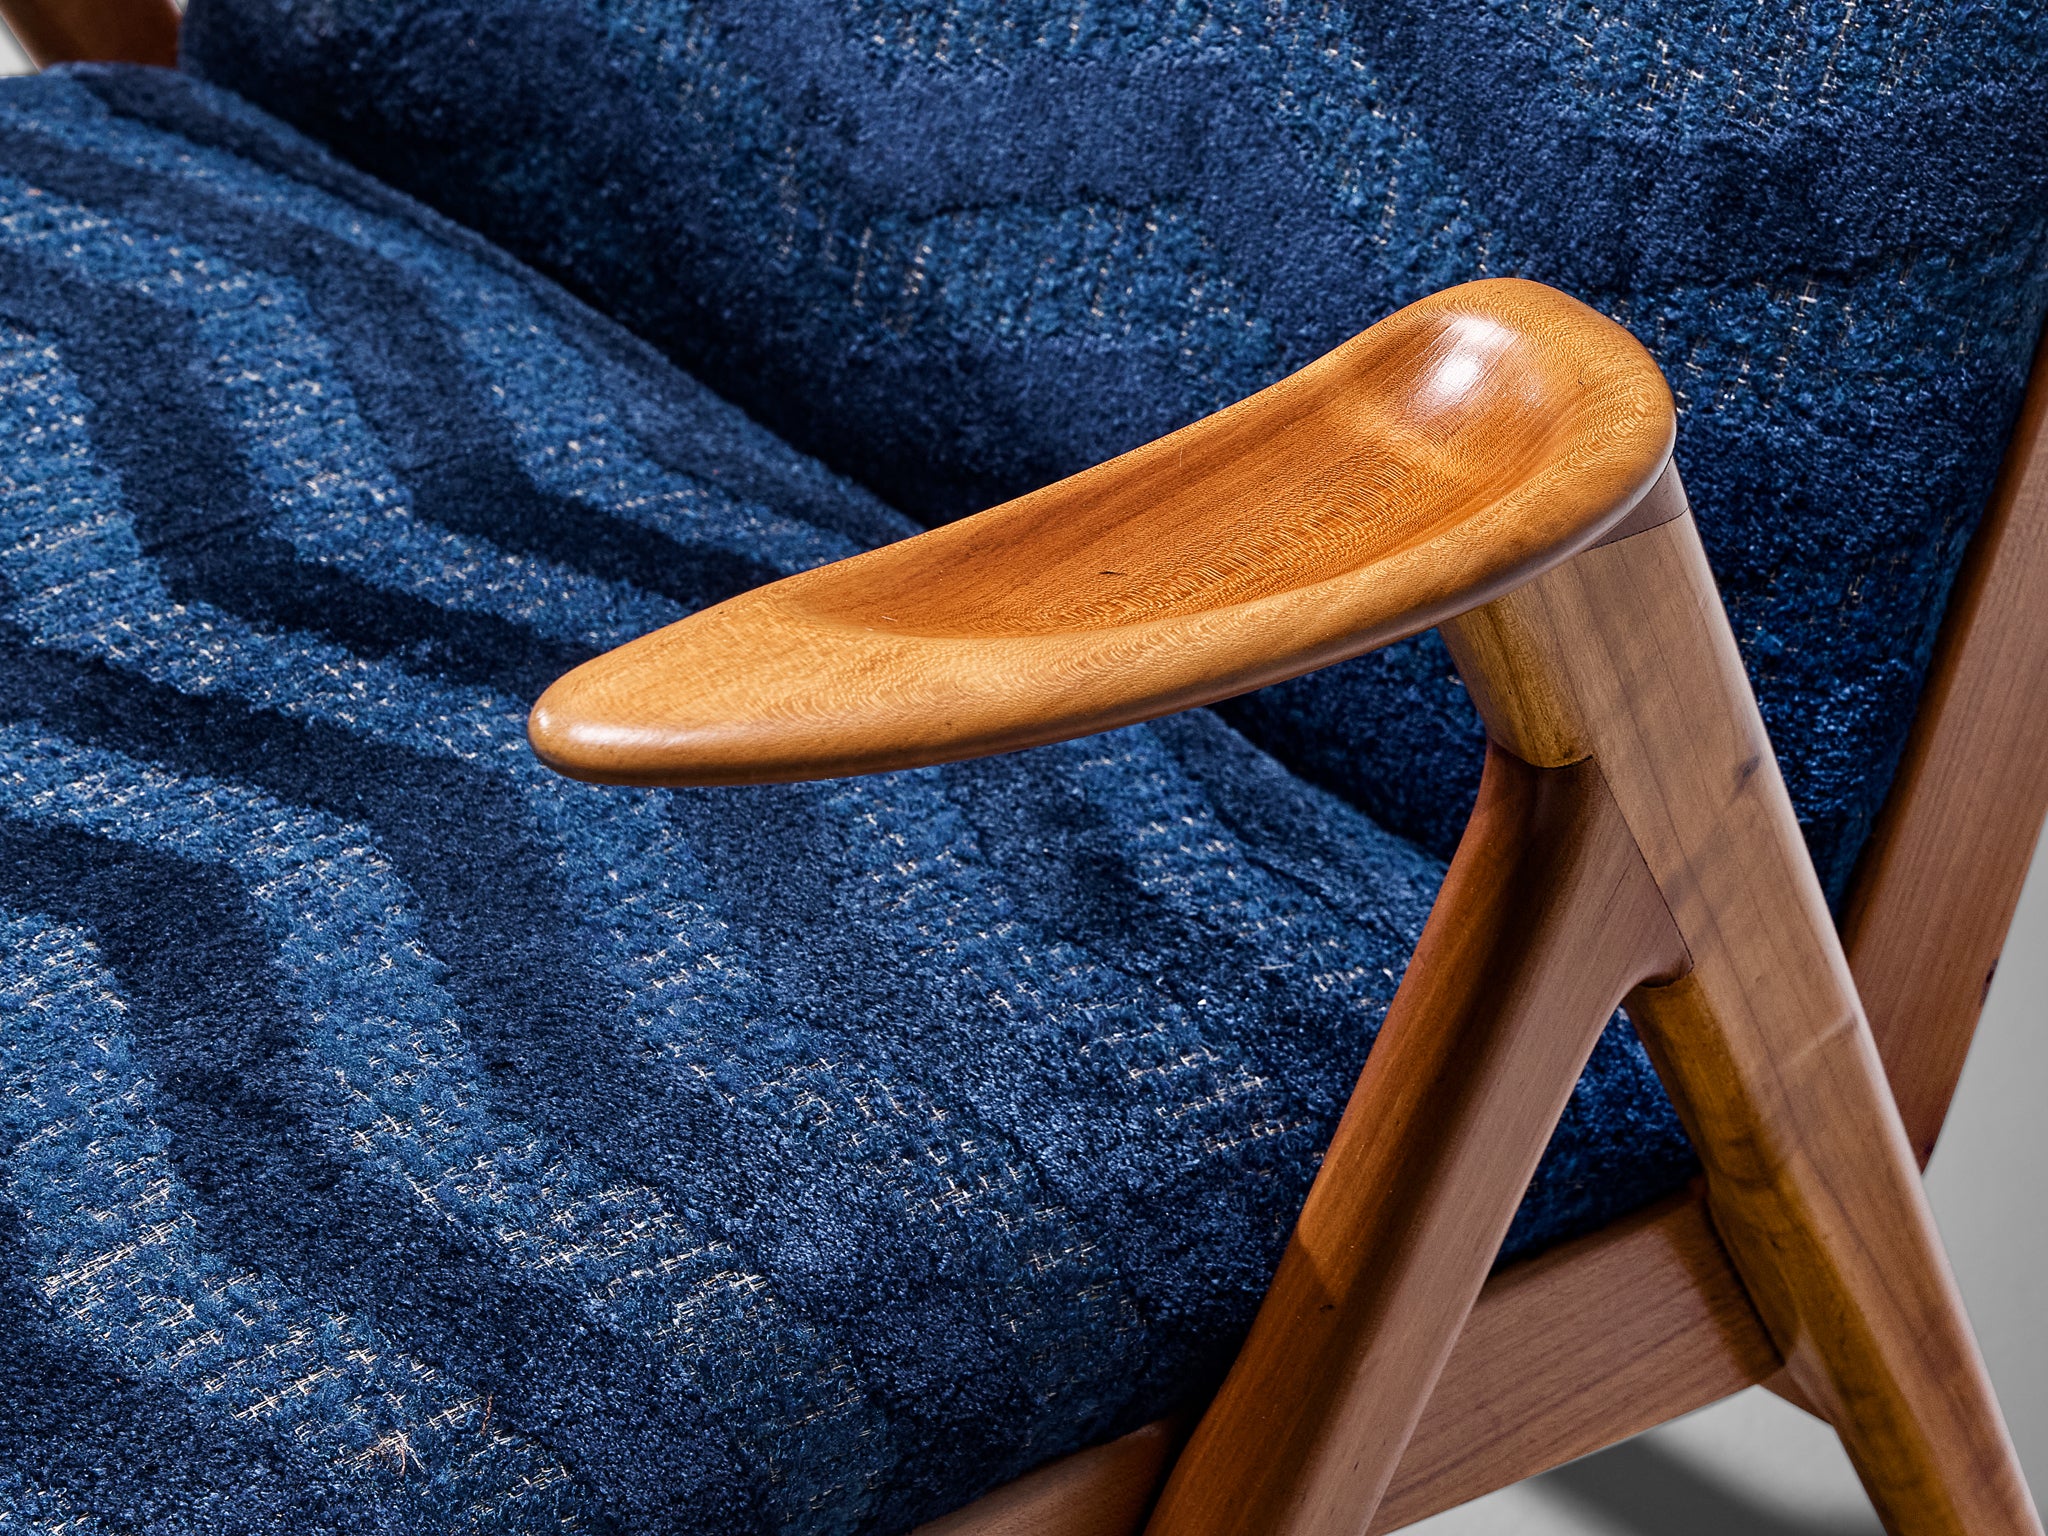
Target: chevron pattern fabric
396 1137
961 247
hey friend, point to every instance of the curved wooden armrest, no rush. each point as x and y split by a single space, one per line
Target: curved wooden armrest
94 31
1431 463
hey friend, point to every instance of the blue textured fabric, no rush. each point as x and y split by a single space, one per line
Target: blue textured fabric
397 1137
961 247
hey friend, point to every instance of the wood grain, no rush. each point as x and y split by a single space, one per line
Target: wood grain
86 31
1938 882
1435 460
1625 653
1546 918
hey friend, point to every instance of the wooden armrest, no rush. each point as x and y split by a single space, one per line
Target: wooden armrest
94 31
1431 463
1633 839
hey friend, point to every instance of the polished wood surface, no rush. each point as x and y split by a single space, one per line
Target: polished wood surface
1927 913
1546 919
83 31
1938 882
1624 654
1433 461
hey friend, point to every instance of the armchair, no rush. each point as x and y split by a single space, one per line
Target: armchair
411 1138
1495 460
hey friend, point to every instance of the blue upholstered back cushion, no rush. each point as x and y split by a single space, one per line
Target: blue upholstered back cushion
397 1137
961 247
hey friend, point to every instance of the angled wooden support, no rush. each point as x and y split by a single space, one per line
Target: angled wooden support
1617 668
1940 877
87 31
1547 918
1624 656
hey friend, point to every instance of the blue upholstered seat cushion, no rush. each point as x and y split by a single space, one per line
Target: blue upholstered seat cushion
397 1137
960 247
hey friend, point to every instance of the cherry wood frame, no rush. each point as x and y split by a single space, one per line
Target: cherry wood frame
1645 1320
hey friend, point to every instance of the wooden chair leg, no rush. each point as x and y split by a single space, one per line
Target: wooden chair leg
1548 916
1624 657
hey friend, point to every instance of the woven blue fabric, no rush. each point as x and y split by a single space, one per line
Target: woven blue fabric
397 1137
961 247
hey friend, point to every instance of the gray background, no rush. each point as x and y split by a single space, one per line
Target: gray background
1754 1465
